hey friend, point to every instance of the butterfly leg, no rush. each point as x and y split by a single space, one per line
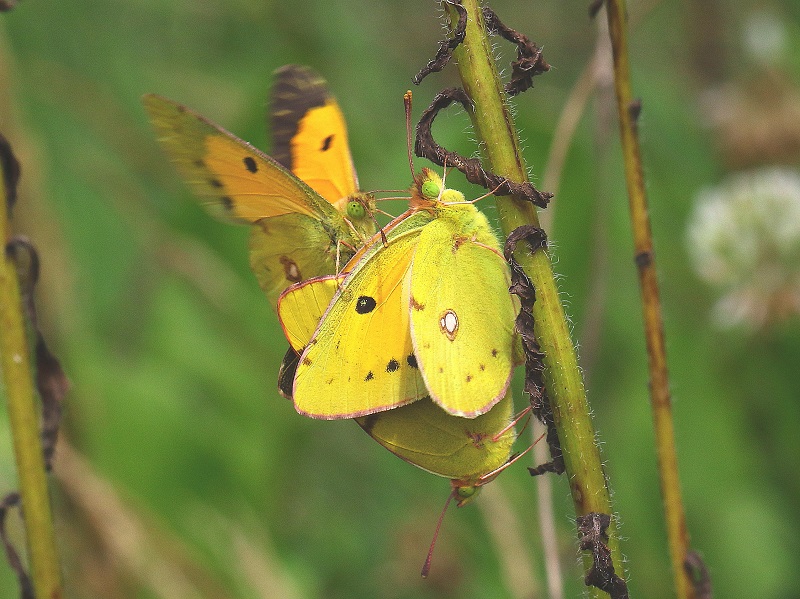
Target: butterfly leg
513 423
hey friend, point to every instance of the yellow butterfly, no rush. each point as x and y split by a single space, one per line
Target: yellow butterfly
467 451
302 227
427 313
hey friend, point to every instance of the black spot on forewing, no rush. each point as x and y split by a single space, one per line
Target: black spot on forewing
326 143
216 183
365 304
393 366
227 203
494 353
411 360
250 164
369 376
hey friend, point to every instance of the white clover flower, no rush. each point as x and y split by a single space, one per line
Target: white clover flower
765 36
744 238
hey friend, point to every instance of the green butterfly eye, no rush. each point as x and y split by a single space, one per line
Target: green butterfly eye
452 196
355 209
466 492
430 190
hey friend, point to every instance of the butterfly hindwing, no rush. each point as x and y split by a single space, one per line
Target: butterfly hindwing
291 248
457 448
462 316
301 306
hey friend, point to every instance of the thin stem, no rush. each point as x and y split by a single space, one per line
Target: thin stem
506 531
24 420
677 533
494 126
547 519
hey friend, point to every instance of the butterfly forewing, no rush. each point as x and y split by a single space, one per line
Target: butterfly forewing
310 134
361 359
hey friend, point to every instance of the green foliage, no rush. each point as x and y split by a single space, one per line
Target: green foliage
173 351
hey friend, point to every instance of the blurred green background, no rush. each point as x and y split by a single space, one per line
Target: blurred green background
196 480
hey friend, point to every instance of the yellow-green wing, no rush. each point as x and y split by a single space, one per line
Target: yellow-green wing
421 433
301 306
296 233
241 182
291 248
361 359
457 448
462 315
309 133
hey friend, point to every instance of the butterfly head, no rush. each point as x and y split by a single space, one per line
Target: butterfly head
359 209
429 190
464 492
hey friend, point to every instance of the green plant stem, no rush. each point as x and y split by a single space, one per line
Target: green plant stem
24 419
677 533
494 127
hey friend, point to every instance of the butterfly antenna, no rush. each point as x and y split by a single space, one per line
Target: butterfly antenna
387 213
426 567
444 175
486 195
407 104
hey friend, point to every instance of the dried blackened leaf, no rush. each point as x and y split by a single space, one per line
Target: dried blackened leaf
522 287
53 386
51 382
21 251
594 7
529 62
446 47
10 166
697 570
12 556
593 536
426 147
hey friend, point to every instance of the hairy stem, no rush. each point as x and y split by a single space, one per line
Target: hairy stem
494 127
678 536
24 420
